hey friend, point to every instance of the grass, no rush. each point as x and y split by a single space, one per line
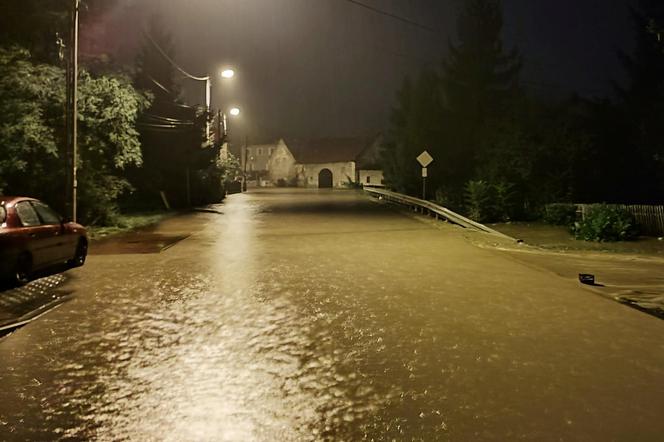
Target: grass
127 222
559 238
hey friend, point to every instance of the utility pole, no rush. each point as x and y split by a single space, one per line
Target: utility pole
220 134
244 163
208 98
72 109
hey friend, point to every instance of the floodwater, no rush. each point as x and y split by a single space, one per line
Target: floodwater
305 315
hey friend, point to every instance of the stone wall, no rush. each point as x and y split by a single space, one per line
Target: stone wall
342 173
371 177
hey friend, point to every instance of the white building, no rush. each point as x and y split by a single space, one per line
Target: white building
325 162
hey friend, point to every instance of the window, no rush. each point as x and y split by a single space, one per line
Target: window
269 151
27 214
368 179
47 215
3 214
260 151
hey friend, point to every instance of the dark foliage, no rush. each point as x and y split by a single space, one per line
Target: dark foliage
32 134
177 158
606 223
502 154
560 214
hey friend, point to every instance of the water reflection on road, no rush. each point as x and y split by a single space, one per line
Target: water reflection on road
313 316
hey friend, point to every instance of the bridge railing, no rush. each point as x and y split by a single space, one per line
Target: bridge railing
431 209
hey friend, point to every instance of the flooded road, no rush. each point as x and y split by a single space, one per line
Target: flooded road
298 315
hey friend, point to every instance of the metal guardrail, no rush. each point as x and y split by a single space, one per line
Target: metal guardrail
432 209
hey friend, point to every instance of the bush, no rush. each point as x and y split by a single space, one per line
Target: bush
479 201
504 205
560 214
449 198
487 202
98 197
606 223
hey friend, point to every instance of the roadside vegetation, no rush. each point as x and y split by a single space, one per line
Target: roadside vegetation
136 137
128 222
503 152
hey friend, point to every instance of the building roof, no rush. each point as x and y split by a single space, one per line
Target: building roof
327 150
254 142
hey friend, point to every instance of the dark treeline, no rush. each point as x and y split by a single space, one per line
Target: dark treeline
497 146
136 136
177 158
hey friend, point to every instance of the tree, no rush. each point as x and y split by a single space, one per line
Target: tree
480 85
642 105
178 158
30 123
36 25
460 114
415 126
32 132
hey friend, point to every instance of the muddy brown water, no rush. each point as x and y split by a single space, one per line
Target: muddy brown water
323 315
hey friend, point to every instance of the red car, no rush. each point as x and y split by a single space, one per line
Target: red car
34 238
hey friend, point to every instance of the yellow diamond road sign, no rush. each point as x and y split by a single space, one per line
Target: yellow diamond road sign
425 159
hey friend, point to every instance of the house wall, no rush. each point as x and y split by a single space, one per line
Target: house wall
342 173
281 164
370 177
258 156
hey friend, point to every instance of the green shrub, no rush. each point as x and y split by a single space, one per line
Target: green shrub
488 202
560 214
479 201
504 204
98 197
449 198
606 223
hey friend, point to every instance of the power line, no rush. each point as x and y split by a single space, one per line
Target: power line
391 15
171 61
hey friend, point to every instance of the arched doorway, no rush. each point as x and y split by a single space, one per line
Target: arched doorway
325 179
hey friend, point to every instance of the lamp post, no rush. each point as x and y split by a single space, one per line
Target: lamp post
226 73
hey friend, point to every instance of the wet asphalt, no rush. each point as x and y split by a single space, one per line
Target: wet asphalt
323 315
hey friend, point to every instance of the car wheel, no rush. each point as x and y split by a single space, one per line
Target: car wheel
23 269
81 254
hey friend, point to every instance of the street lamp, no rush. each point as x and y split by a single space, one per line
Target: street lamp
234 111
226 73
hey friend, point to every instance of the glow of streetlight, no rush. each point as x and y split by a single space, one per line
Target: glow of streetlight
235 111
228 73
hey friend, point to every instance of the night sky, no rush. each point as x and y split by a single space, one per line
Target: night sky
332 68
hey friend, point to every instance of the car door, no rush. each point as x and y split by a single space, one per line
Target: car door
61 246
40 239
